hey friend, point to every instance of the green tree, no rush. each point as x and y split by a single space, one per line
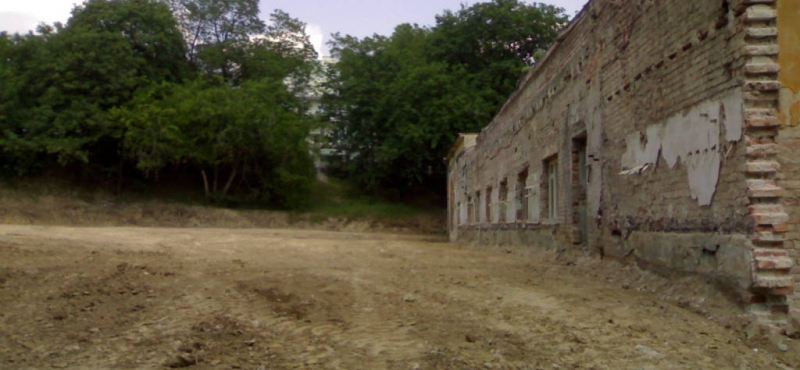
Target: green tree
245 142
213 28
397 102
66 79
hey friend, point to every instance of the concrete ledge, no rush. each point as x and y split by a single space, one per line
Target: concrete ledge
727 260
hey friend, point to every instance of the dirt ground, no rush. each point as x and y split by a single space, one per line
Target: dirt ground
153 298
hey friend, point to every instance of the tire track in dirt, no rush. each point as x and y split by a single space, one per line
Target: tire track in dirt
284 299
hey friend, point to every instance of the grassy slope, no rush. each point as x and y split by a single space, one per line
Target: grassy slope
334 206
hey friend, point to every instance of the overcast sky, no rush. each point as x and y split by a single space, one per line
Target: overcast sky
354 17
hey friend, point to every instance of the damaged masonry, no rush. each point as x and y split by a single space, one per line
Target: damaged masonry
660 131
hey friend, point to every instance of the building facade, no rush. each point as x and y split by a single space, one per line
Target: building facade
662 132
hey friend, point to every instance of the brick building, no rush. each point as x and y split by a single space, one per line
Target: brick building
657 131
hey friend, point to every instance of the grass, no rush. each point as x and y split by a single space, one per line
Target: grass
336 199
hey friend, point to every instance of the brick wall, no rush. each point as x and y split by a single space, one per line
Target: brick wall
671 102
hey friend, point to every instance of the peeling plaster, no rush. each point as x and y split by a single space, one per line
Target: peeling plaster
692 137
594 145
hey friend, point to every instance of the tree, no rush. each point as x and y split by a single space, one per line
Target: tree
246 141
397 102
226 38
494 40
220 24
68 77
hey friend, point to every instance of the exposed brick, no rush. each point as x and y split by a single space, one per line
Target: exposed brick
762 86
774 263
780 228
755 14
767 237
784 291
769 218
762 253
779 308
773 281
761 150
754 299
763 167
762 68
767 49
764 208
762 118
762 32
758 188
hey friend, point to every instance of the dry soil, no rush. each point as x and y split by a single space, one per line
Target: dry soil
153 298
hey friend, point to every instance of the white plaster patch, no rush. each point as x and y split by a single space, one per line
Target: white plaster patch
642 148
704 175
693 138
734 116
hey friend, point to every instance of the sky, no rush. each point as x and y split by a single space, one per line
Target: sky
358 18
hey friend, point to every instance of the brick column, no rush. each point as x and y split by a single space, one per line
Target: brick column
772 279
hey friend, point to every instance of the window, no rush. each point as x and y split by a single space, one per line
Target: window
479 216
489 215
521 203
551 188
470 206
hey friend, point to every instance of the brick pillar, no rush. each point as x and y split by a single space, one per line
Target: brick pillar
772 278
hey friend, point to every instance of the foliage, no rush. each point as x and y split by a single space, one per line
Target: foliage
65 79
138 90
247 141
121 86
340 200
397 102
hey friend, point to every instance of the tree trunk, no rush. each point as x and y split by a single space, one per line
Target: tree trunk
229 182
205 181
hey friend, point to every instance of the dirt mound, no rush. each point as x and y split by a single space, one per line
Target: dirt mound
20 208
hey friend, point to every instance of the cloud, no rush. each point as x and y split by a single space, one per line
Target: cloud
13 22
317 37
24 16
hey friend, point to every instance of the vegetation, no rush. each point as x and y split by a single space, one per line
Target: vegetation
398 102
131 93
341 200
194 87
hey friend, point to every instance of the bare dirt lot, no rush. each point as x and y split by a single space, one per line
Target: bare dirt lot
151 298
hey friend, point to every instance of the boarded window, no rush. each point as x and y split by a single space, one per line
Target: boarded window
550 191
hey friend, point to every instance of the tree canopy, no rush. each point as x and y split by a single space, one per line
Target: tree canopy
146 91
398 102
190 86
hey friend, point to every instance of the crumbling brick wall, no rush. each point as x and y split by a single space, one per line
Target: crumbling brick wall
647 133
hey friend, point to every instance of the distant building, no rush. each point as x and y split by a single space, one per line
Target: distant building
320 139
